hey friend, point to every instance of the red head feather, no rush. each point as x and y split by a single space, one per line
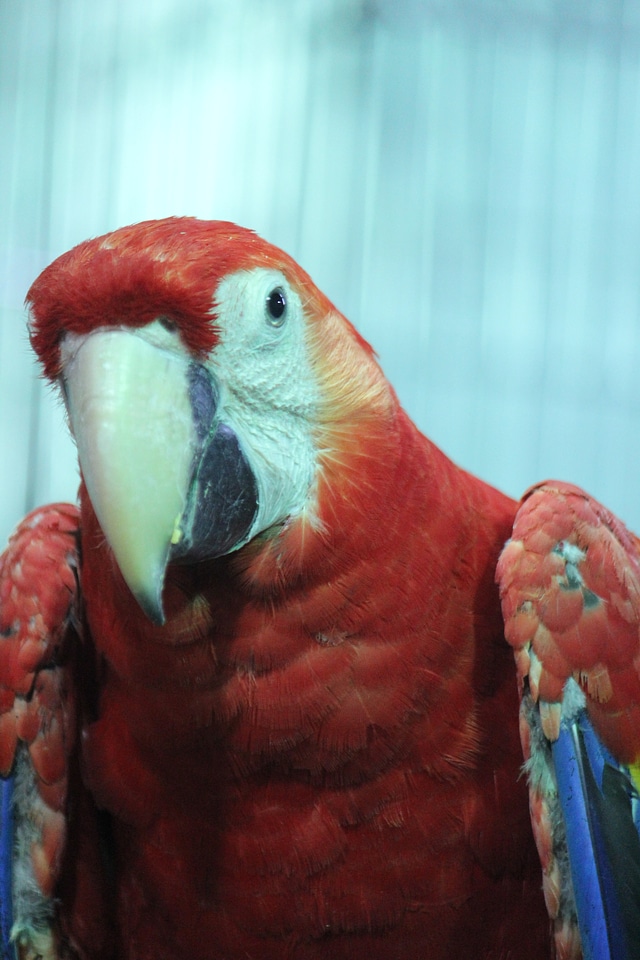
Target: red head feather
158 268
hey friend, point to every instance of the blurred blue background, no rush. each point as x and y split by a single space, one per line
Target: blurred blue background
461 177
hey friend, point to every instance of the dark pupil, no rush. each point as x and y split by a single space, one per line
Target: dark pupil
276 303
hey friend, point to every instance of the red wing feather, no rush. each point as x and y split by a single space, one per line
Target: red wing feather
37 717
570 588
570 585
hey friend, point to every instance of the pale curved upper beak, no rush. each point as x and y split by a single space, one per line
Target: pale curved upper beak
149 444
131 418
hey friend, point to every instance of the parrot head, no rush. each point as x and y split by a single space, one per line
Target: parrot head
208 385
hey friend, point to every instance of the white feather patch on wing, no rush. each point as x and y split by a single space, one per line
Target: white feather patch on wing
547 819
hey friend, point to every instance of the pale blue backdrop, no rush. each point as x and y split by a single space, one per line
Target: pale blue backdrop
461 178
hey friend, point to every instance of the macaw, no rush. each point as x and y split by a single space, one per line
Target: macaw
258 696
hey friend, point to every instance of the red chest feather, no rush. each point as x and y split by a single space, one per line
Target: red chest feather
330 770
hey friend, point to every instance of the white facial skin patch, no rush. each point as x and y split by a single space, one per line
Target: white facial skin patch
269 395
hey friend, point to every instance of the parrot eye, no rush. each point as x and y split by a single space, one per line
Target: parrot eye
168 324
276 304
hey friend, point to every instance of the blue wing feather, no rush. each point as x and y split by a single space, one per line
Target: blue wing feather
597 798
575 808
6 867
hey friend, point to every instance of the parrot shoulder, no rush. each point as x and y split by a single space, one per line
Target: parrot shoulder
569 581
38 593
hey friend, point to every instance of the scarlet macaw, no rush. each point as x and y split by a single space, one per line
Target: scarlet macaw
255 695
